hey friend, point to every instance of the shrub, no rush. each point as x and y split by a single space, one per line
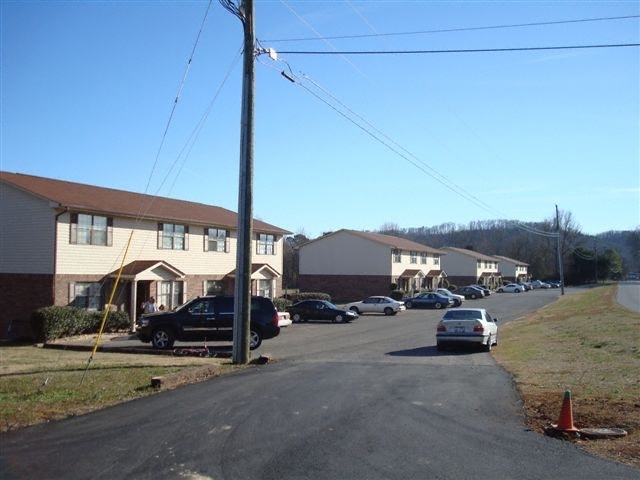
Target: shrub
397 294
310 296
281 303
49 323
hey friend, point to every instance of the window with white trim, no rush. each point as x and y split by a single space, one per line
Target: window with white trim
423 258
87 295
172 236
397 255
91 229
266 244
216 240
264 288
436 260
413 257
170 294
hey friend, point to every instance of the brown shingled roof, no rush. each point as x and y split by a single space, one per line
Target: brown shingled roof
391 241
471 253
89 198
507 259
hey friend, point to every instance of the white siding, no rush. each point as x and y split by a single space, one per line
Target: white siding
99 260
345 254
27 233
457 264
405 264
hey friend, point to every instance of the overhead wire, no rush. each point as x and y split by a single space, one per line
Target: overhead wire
144 208
457 29
456 50
367 127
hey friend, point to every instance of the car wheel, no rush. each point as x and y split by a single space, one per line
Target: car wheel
457 302
409 304
388 311
296 318
355 309
500 290
473 296
488 345
437 305
517 290
339 319
162 339
255 339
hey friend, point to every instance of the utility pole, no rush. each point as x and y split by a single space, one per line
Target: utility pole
595 259
560 271
242 302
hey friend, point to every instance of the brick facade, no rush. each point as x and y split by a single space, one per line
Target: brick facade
21 295
346 288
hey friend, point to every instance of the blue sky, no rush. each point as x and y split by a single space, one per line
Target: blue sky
360 141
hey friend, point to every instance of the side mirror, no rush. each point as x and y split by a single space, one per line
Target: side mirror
495 320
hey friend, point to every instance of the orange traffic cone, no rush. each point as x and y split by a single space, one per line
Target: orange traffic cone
565 422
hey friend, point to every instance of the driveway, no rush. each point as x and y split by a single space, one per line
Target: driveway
372 399
629 295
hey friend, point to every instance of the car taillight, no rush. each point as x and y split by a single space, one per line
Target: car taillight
441 327
478 328
276 319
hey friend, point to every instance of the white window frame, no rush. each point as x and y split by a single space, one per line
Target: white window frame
173 236
266 244
216 240
93 295
86 229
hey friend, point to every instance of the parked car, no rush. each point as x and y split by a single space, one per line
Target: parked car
377 304
457 299
428 300
207 318
526 286
467 326
484 289
540 284
553 283
470 292
510 288
306 310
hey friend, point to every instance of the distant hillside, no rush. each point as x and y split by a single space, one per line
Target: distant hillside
532 243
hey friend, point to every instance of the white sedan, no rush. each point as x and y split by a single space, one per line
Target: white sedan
377 304
457 299
510 288
467 326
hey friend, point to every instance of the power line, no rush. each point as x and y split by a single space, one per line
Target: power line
457 50
459 29
341 109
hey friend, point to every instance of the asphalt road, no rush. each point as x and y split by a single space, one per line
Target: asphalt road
373 399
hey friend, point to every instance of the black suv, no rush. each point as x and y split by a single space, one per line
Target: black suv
207 318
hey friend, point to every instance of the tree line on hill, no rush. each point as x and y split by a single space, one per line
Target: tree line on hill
585 258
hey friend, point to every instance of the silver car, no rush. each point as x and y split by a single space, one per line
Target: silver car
467 326
377 304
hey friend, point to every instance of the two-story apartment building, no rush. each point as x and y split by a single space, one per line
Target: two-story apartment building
350 264
466 267
65 243
513 270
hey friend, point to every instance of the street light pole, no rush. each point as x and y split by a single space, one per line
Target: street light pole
242 302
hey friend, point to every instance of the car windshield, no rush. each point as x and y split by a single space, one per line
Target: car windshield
463 315
328 304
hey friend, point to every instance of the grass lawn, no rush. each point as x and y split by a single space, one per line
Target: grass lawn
586 344
42 384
